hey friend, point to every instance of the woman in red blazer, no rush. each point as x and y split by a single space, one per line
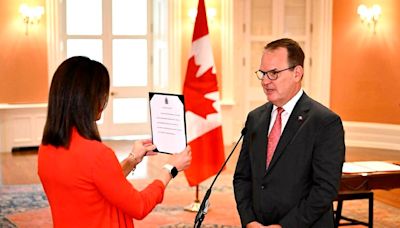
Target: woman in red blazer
85 184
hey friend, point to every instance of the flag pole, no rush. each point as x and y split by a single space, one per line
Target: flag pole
195 206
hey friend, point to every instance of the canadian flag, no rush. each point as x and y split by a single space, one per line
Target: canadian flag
204 130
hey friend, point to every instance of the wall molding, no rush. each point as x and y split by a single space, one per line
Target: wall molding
174 46
320 77
372 135
227 53
54 45
21 125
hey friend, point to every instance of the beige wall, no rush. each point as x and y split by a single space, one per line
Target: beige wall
23 58
365 84
365 80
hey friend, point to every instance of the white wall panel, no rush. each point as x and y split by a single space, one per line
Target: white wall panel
21 125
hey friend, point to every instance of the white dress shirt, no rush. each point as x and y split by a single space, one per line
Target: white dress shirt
288 108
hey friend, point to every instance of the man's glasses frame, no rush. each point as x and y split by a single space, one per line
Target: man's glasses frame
271 74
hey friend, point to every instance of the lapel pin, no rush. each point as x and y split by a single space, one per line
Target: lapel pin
300 118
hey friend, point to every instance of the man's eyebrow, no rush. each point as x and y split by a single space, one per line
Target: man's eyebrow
272 70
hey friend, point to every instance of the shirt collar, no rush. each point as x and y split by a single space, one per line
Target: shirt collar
289 106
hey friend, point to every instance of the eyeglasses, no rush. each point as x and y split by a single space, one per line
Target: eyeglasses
271 74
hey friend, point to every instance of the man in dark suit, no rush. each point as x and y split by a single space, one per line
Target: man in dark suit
294 183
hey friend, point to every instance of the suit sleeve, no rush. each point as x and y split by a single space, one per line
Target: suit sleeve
328 158
111 182
242 182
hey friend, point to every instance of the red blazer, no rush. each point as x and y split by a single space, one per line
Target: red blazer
86 187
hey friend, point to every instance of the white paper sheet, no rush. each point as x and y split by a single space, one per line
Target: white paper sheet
369 166
167 114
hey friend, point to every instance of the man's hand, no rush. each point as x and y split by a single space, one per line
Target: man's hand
258 225
254 224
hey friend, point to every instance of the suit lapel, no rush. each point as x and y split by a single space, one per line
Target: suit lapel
296 119
259 138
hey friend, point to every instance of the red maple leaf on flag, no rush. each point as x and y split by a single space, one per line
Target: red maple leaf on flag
195 89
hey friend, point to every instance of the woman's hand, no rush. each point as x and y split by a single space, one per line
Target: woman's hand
181 160
140 149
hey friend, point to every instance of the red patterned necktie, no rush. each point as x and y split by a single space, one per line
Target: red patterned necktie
274 135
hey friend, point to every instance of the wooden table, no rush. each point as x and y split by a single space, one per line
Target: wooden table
355 186
368 181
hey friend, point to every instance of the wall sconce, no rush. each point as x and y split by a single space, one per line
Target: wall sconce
211 13
31 15
370 15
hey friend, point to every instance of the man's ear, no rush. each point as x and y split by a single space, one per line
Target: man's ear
299 72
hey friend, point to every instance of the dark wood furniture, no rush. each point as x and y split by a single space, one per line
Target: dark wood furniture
355 186
354 195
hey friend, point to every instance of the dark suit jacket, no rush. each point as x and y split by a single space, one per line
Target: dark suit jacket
303 177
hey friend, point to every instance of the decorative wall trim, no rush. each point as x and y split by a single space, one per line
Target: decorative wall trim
4 106
174 46
227 53
322 51
372 135
21 126
54 46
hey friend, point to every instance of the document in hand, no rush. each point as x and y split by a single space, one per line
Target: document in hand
168 123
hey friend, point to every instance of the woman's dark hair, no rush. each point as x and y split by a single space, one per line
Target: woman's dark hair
78 93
